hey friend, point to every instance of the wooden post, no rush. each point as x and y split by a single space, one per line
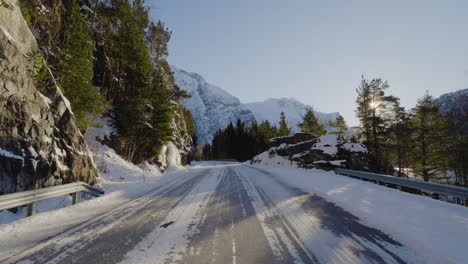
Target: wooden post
144 167
74 197
30 209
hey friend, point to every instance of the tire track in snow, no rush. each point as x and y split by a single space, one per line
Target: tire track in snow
110 236
335 235
230 232
166 245
284 243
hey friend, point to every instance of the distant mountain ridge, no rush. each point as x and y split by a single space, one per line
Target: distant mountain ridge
455 105
293 109
213 108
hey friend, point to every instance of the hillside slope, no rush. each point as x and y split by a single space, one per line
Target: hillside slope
212 108
455 105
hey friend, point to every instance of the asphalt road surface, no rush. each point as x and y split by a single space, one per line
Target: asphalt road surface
222 214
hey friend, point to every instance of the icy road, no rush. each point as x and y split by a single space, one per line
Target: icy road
229 213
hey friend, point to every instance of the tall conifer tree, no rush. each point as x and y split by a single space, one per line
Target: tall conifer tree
76 67
284 129
339 127
430 139
310 124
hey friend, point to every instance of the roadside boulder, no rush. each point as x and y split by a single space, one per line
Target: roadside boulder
305 150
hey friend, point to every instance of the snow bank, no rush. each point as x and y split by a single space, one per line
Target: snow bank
30 230
327 144
273 160
435 225
355 147
115 172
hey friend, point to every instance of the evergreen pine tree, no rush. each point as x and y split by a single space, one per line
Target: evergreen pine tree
157 38
430 139
371 106
459 159
191 130
133 94
339 127
76 67
310 124
160 131
284 129
399 136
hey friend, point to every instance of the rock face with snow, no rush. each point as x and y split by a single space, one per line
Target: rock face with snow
293 109
455 105
40 144
212 108
306 150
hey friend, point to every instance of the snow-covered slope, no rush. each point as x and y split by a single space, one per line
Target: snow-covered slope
294 110
213 108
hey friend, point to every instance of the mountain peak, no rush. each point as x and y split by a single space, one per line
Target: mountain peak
213 108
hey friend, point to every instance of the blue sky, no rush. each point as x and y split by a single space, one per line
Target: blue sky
316 51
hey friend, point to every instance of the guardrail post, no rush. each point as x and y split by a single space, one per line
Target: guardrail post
30 209
74 197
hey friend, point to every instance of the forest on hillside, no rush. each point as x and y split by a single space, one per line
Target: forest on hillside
109 59
420 140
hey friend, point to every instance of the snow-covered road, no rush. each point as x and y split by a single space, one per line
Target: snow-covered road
230 213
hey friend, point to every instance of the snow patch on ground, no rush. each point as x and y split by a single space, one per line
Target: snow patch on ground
115 172
30 230
355 147
272 159
327 144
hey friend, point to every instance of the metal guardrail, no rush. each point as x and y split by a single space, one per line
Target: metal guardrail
13 200
430 187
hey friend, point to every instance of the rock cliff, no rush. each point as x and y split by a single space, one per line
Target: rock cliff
308 151
40 144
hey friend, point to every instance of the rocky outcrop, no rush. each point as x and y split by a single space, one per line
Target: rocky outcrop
309 151
40 144
181 139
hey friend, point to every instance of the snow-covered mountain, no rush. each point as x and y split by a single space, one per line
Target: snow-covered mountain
294 110
455 105
213 108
